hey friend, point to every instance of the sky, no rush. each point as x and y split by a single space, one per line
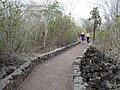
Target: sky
78 8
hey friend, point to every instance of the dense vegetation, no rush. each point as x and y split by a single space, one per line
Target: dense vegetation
31 26
108 34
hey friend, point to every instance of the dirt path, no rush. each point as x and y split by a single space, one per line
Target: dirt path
54 74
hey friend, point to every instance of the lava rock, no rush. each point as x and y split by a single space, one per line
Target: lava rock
98 71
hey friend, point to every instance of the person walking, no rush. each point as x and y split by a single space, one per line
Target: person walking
82 35
88 37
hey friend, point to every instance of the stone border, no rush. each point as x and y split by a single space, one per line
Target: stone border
77 79
12 81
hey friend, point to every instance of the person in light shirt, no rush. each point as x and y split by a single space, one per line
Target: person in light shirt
88 37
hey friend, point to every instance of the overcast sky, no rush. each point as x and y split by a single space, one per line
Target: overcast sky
78 8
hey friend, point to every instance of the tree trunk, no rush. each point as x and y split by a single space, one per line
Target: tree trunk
94 28
46 31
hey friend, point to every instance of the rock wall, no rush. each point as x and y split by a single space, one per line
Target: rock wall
77 79
12 81
94 71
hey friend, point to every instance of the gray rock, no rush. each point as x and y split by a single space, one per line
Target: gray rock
26 65
78 80
4 82
79 87
76 67
109 85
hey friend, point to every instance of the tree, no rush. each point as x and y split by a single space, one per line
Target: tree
63 30
10 21
96 19
30 27
87 25
49 13
108 39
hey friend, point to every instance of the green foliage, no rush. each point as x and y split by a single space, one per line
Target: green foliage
64 30
10 14
87 25
108 40
24 29
95 16
102 34
96 19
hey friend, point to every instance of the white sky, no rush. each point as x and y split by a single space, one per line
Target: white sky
79 8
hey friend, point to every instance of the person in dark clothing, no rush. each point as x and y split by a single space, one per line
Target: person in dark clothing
82 35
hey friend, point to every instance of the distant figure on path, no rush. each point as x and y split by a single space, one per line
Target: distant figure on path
82 35
88 37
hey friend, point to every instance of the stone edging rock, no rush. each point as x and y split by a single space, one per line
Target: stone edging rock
77 79
12 81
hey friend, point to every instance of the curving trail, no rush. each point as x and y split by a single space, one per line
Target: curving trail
54 74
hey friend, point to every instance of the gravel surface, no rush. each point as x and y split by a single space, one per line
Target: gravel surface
54 74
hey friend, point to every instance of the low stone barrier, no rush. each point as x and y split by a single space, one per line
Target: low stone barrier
77 79
12 81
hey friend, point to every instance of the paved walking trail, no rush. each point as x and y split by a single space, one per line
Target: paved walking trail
54 74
